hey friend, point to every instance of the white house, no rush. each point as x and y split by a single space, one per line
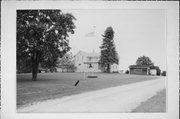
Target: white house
89 62
153 72
114 68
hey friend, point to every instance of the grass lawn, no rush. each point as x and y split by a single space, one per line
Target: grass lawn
56 85
156 103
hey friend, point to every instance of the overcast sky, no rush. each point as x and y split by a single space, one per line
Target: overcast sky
137 33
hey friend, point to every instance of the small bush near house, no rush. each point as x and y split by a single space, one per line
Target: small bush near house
115 72
127 72
53 69
158 72
164 73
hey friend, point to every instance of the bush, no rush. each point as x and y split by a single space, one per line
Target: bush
127 72
115 72
53 69
158 72
164 73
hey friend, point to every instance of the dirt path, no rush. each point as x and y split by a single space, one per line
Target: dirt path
116 99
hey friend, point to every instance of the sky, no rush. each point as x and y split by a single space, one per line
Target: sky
137 33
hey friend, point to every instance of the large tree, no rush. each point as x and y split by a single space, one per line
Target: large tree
108 50
42 37
144 60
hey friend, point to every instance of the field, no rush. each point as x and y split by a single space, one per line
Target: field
57 85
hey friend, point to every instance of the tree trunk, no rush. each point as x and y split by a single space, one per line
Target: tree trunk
35 64
108 68
34 73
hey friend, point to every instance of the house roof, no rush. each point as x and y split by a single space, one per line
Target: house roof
92 54
154 67
139 66
95 54
143 66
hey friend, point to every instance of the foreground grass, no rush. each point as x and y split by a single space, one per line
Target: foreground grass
156 103
56 85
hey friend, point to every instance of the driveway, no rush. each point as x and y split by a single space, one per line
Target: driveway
116 99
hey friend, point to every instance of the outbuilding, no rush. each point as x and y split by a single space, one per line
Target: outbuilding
144 70
140 70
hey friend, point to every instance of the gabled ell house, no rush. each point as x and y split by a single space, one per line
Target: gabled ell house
89 62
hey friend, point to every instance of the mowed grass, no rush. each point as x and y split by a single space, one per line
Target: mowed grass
156 104
57 85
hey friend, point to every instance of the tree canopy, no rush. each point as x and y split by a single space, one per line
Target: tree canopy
42 37
66 63
144 60
108 50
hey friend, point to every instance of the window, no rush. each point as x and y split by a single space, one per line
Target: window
90 65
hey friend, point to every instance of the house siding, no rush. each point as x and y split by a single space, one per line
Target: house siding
84 60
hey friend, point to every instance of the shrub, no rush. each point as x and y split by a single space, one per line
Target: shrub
158 72
127 72
164 73
115 72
